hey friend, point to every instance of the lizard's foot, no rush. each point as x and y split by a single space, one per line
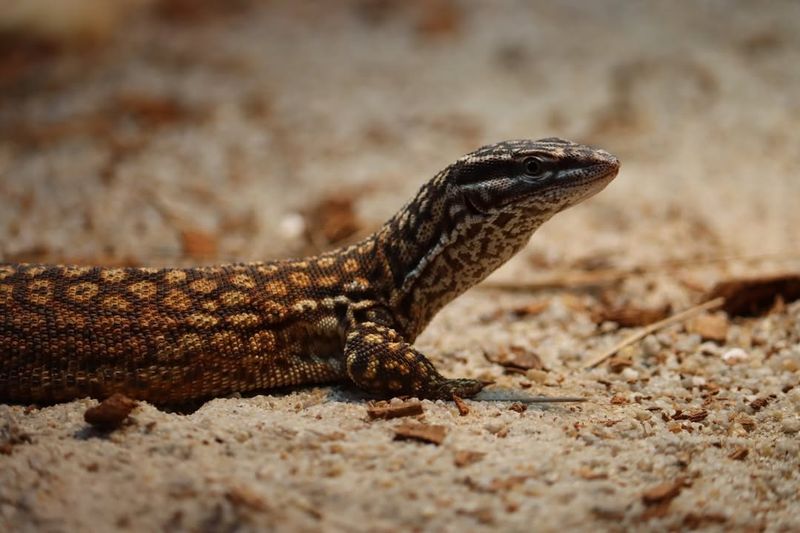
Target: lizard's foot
381 362
463 388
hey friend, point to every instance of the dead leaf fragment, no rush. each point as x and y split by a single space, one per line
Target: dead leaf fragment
241 496
461 405
756 296
590 474
531 309
739 454
759 403
388 411
421 432
747 422
663 492
618 364
697 415
630 316
518 407
618 399
516 358
111 412
464 458
711 327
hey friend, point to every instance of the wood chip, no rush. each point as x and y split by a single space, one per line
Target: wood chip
711 327
516 358
531 309
421 432
464 458
747 422
388 411
697 415
618 399
663 492
461 405
739 454
111 412
618 364
518 407
241 496
630 316
757 296
589 474
759 403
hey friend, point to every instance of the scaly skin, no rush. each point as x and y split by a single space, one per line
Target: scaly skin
178 335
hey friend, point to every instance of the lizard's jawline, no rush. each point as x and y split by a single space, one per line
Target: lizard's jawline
594 184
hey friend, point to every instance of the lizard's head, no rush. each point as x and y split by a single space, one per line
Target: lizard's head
480 211
530 179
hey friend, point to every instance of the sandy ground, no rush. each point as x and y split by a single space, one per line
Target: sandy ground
202 132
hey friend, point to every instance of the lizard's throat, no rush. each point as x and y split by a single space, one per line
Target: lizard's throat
460 258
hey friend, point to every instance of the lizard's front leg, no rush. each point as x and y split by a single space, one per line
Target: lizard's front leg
381 362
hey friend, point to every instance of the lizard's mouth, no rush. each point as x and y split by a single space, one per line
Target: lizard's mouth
579 184
590 180
590 185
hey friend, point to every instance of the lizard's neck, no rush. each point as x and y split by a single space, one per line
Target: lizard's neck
435 249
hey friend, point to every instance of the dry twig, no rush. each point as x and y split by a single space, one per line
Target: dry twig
644 332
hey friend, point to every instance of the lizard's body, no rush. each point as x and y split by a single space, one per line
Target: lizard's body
175 335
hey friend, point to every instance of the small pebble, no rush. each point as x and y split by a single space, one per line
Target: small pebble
790 365
688 343
734 356
607 327
709 348
794 397
292 226
494 426
650 346
630 374
536 375
791 425
765 448
786 446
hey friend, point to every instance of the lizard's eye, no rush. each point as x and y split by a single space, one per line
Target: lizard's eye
532 166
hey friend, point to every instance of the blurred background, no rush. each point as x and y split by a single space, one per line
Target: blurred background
198 131
184 132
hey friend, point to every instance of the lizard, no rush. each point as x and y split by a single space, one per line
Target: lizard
172 335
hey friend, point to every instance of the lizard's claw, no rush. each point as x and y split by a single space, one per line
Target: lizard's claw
463 388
